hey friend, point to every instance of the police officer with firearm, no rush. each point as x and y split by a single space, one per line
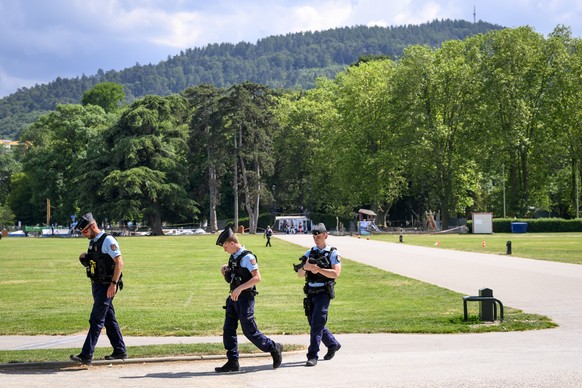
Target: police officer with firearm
103 264
242 272
320 266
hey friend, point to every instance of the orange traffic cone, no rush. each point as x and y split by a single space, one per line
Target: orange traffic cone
437 243
484 244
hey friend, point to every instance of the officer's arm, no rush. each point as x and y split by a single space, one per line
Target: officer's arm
301 272
256 279
116 275
118 267
332 273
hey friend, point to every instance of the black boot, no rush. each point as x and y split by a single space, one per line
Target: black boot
277 355
230 366
80 359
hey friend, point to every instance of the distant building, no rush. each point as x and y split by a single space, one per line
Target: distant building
8 144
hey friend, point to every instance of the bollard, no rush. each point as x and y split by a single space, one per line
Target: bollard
508 246
486 306
400 238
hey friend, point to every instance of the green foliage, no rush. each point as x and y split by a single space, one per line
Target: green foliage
148 171
294 60
107 95
488 123
6 217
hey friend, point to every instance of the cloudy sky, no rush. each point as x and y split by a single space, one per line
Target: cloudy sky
41 40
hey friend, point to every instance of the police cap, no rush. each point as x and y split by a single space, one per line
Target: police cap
318 229
84 221
225 235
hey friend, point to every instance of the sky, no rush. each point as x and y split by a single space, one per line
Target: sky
41 40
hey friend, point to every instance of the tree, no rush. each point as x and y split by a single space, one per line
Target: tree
248 112
58 143
107 95
207 142
367 154
565 119
516 84
147 169
6 217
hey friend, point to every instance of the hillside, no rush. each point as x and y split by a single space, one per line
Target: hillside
282 61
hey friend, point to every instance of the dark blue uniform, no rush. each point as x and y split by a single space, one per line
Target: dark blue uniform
243 311
320 300
103 312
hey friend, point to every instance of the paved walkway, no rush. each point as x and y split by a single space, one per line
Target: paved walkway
546 358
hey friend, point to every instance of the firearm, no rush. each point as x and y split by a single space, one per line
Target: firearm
321 262
302 260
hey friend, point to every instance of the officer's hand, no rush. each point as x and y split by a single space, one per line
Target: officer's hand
235 293
311 267
83 259
112 290
223 269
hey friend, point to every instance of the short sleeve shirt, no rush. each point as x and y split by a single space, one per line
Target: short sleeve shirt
248 261
110 245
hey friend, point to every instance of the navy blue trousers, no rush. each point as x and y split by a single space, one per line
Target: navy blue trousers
243 310
102 314
317 321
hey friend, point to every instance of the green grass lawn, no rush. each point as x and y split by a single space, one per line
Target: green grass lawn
173 287
561 247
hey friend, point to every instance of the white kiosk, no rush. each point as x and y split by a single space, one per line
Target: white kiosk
482 223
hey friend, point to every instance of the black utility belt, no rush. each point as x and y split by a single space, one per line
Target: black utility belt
101 281
315 290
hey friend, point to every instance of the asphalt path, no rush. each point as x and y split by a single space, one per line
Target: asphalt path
545 358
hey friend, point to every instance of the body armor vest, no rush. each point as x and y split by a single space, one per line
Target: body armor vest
101 265
323 260
237 275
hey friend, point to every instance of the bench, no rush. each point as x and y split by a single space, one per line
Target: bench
483 299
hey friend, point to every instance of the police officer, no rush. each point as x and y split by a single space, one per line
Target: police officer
104 267
242 272
321 266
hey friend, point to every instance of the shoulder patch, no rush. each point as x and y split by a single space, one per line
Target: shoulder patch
253 261
113 247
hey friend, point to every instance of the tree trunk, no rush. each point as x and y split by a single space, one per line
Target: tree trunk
212 185
155 220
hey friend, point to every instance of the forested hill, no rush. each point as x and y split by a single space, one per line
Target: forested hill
282 61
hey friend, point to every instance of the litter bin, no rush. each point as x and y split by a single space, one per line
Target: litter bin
519 227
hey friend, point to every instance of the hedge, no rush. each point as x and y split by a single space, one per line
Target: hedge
537 225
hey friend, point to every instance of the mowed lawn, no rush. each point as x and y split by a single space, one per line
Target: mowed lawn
560 247
173 287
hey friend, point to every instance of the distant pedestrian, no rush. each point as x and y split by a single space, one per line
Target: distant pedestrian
268 234
242 272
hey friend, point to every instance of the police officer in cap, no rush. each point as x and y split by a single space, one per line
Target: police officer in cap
242 272
321 266
104 265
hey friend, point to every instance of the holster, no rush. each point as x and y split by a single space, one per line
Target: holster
329 287
308 306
